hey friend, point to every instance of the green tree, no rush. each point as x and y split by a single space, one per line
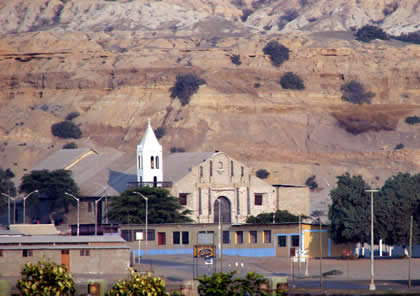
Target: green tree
262 173
354 92
291 80
267 218
368 33
47 279
53 185
130 208
66 129
6 186
185 86
278 53
349 211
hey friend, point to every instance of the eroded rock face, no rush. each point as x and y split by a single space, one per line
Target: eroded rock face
118 78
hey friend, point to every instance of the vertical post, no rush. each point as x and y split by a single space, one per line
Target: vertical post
78 224
320 252
14 211
409 254
8 208
300 243
147 221
372 274
96 217
23 222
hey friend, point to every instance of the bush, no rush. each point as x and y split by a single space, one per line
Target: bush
72 115
292 81
185 86
412 119
140 285
278 53
45 278
66 129
245 14
71 145
368 33
236 59
160 132
399 147
289 16
262 173
311 183
413 37
355 93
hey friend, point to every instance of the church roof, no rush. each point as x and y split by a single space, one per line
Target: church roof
177 165
149 138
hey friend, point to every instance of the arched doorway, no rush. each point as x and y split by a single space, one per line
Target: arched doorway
225 210
154 181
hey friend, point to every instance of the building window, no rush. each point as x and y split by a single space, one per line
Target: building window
211 168
161 238
267 236
185 237
201 171
209 199
176 238
238 205
226 237
231 168
281 241
239 237
1 253
183 199
253 239
141 161
242 171
27 253
84 252
157 162
89 206
248 201
295 240
138 159
200 211
152 162
258 199
151 234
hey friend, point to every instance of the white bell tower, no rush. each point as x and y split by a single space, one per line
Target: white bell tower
149 159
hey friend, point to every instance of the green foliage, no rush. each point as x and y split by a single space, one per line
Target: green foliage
66 129
412 119
349 211
160 132
368 33
139 285
72 115
236 59
267 218
51 184
185 86
399 146
262 173
354 92
291 80
71 145
311 183
45 278
278 53
6 186
224 284
413 37
130 208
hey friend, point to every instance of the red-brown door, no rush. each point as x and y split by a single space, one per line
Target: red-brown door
65 258
292 252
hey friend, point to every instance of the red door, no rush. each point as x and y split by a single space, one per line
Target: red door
65 258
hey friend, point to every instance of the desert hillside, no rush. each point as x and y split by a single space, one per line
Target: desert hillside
114 62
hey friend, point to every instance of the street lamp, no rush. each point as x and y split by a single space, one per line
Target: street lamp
372 274
8 205
147 234
78 205
96 213
24 199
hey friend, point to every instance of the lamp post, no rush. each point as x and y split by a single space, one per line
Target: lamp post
78 205
147 234
24 199
96 213
372 274
8 206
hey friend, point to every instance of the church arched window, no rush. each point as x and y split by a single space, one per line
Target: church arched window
157 162
139 162
152 162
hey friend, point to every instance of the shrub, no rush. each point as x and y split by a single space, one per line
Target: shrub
289 16
354 92
292 81
399 147
66 129
140 285
177 149
412 119
71 145
368 33
413 37
185 86
311 183
160 132
262 173
245 14
236 59
278 53
72 115
45 278
257 85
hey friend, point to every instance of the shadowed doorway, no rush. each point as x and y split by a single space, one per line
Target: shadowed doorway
225 210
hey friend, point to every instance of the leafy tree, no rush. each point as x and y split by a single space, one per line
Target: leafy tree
349 211
278 53
399 146
368 33
185 86
412 119
53 185
236 59
354 92
160 132
311 183
130 208
413 37
6 186
267 218
72 115
138 284
262 173
66 129
291 80
45 278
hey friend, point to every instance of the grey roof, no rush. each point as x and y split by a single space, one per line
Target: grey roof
39 239
9 232
177 165
60 159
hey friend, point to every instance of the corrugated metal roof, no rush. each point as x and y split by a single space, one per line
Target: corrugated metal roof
35 229
13 232
60 159
64 247
178 165
33 239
